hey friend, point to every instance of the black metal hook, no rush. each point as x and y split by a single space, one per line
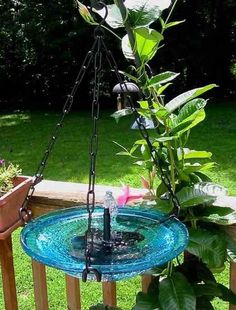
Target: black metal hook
87 270
99 5
99 31
96 4
24 215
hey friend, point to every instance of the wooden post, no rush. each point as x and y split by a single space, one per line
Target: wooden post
146 280
8 274
232 282
40 286
73 293
109 293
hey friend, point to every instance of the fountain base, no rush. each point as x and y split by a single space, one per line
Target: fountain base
119 245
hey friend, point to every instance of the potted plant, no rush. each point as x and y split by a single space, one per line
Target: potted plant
188 282
13 191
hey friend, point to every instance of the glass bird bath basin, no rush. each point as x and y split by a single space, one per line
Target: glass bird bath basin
57 240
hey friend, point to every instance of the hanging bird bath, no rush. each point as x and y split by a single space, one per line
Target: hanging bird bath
86 242
141 238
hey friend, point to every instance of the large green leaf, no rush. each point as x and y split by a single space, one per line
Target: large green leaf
129 76
164 205
227 294
189 109
144 12
172 24
176 293
161 89
189 122
211 188
191 196
140 12
195 270
121 113
209 246
145 302
161 189
162 78
189 116
186 153
187 96
165 139
202 176
147 41
212 290
190 168
203 303
114 18
218 215
207 289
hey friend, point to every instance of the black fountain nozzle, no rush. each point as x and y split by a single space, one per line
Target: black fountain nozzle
106 225
105 243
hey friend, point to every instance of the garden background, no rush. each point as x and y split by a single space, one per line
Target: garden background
43 43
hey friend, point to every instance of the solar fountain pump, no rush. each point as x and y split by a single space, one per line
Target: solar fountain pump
123 90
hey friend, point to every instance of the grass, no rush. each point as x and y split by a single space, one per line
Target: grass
23 138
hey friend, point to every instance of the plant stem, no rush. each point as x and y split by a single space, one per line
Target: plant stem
142 72
194 224
172 165
143 75
170 13
170 268
108 29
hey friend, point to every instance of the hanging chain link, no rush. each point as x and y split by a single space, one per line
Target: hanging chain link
89 236
144 133
24 212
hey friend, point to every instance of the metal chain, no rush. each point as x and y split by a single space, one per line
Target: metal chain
89 236
144 132
24 212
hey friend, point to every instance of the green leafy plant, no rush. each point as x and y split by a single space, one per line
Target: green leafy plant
187 282
7 175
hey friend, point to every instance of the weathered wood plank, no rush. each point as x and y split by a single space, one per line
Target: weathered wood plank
53 195
109 293
40 286
76 192
73 293
8 274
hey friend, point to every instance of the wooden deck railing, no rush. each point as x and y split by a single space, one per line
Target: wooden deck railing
50 196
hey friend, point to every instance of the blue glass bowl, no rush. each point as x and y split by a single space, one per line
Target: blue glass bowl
49 240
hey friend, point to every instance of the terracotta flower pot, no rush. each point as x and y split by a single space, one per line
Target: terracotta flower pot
10 203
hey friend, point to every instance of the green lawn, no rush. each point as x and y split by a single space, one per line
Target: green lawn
23 138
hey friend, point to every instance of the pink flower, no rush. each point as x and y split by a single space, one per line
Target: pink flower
126 197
